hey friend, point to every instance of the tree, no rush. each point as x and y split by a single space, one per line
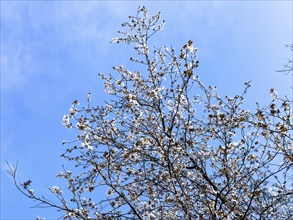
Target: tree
168 147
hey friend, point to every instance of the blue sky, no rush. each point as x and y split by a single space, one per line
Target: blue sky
52 52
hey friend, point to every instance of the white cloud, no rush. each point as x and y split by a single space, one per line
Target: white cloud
34 28
15 65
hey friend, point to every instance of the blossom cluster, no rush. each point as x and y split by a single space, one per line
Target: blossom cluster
56 190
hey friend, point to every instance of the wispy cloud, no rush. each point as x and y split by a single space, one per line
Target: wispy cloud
31 30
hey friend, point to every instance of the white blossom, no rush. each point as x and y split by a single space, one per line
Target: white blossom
274 93
56 190
66 120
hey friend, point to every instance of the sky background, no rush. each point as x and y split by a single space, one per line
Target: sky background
52 52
